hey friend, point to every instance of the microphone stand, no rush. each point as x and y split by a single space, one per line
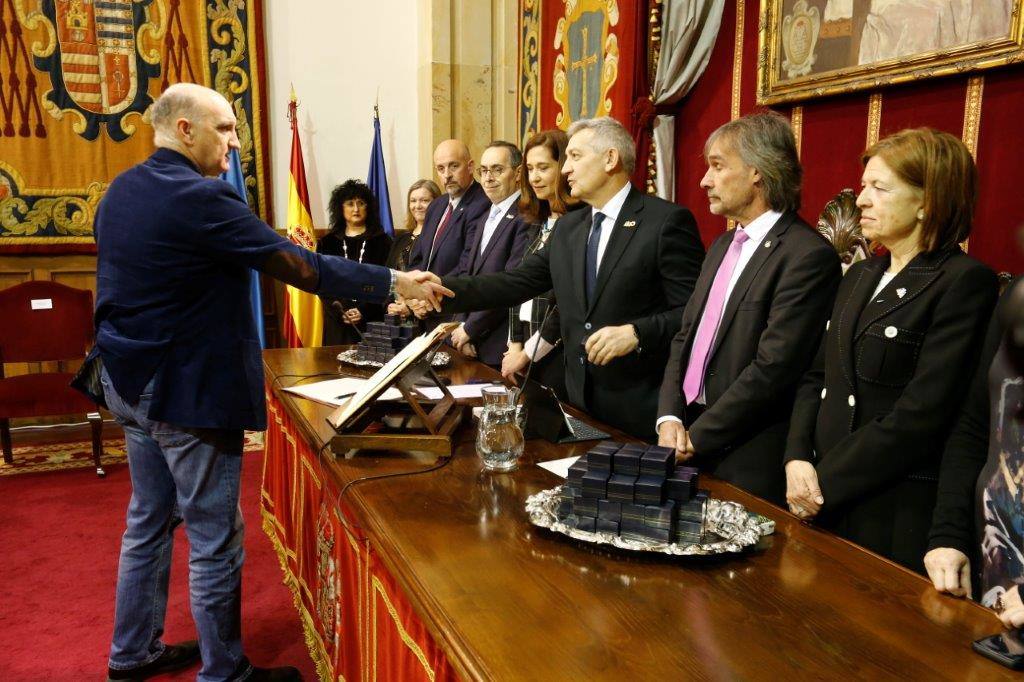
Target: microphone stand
533 355
340 307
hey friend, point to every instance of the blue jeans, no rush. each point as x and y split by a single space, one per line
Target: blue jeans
189 475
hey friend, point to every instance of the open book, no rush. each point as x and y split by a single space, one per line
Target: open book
384 377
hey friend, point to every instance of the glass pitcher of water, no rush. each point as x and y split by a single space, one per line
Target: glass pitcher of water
499 438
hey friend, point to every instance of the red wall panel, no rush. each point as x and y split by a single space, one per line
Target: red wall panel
835 132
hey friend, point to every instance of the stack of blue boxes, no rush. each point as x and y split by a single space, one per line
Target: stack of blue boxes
383 340
635 491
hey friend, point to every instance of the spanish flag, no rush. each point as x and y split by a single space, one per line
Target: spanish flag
303 318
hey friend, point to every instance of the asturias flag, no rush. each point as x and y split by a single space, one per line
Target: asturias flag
303 318
377 178
235 176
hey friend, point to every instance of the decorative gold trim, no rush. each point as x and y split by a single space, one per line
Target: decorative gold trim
654 39
972 123
972 113
737 60
315 645
653 57
796 122
378 586
528 111
874 117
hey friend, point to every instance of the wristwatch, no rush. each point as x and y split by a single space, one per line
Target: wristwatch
394 280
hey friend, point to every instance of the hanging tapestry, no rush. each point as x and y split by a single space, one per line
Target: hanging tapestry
77 79
575 61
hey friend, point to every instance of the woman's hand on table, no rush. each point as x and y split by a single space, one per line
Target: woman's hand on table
803 495
949 570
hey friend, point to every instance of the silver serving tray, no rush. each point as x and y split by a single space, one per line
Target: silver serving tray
351 357
728 528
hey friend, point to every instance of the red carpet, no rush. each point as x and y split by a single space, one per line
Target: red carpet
60 534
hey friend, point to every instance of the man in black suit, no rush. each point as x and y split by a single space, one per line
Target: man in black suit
621 273
451 218
757 312
499 242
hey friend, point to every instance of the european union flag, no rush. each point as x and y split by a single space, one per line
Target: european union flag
377 178
237 179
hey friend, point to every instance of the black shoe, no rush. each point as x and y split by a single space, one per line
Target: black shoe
174 657
285 674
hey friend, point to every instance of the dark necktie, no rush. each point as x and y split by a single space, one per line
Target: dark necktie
440 229
590 275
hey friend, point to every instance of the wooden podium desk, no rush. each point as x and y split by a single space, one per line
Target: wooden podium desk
441 576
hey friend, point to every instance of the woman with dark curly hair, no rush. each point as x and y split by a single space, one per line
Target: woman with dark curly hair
357 234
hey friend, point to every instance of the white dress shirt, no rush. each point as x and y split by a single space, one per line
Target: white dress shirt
537 347
611 214
495 217
757 231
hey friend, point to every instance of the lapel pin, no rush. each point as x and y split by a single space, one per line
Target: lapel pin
629 223
768 244
901 292
508 216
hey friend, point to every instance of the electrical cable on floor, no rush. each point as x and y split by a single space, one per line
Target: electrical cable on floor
30 427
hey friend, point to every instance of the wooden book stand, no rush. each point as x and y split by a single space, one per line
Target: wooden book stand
413 425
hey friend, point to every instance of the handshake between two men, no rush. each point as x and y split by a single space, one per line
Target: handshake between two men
422 287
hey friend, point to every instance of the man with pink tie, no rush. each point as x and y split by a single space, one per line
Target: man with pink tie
756 315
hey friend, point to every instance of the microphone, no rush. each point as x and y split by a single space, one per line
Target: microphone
341 309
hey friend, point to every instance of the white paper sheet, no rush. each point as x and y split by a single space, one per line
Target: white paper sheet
458 391
559 467
337 391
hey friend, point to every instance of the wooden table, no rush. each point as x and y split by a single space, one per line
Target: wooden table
501 599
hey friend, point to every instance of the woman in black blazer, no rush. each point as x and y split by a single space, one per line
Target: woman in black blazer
357 234
545 198
871 416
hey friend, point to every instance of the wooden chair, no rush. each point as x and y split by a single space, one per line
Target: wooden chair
840 224
45 322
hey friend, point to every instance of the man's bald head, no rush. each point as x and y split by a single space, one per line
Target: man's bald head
197 122
182 100
454 167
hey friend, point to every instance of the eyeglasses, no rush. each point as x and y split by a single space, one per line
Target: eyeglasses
493 171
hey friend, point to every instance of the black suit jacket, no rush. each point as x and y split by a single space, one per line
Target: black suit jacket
774 317
488 329
457 234
645 278
873 412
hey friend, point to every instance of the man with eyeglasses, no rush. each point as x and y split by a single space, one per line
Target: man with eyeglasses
498 243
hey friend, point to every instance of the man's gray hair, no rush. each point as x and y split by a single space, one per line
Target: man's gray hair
765 141
609 134
515 157
181 100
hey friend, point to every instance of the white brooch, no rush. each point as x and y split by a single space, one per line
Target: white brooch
768 244
629 223
901 292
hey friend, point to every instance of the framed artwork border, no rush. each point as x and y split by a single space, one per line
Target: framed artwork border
965 58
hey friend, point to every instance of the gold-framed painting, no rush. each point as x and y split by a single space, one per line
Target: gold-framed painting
813 48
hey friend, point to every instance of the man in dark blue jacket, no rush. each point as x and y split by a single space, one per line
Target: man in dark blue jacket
181 370
451 218
499 242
